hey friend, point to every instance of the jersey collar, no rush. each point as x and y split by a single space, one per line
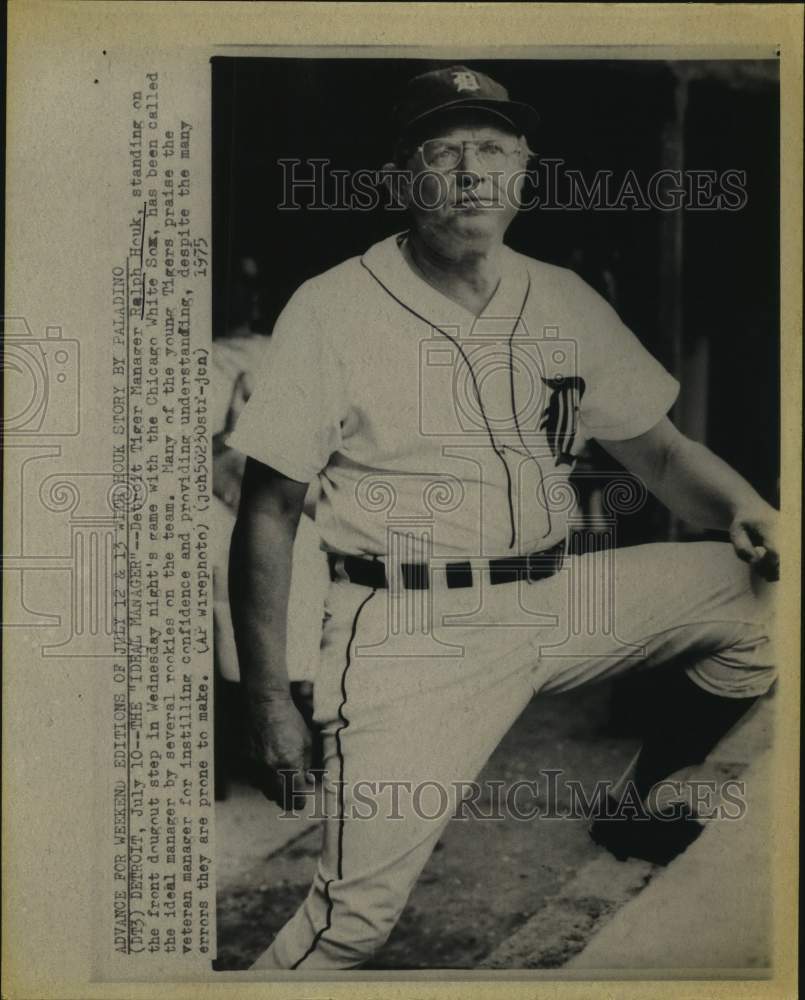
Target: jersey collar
386 263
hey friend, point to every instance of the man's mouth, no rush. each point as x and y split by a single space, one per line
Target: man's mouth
473 201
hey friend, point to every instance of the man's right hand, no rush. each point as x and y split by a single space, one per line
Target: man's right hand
281 748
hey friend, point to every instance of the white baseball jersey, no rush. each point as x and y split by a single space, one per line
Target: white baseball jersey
422 422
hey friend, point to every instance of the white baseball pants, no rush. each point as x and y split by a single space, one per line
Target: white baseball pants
416 688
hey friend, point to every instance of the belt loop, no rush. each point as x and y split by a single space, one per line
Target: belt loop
394 582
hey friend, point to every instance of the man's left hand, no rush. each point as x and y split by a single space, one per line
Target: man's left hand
753 536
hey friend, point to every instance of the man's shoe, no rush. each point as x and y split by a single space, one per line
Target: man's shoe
648 837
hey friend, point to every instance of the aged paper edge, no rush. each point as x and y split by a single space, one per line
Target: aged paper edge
41 29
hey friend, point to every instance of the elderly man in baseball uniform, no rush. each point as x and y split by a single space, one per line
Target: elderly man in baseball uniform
437 390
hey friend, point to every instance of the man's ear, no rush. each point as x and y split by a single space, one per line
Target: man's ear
397 182
529 153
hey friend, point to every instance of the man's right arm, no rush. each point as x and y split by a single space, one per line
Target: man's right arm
259 584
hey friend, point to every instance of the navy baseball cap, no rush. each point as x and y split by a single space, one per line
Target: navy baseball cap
458 87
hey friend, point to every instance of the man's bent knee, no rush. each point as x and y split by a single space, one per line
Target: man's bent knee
335 932
743 669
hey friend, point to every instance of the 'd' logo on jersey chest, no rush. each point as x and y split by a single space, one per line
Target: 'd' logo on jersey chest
560 417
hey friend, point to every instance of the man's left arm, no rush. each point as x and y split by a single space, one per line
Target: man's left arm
701 488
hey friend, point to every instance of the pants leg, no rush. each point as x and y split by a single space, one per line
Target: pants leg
695 604
404 735
397 720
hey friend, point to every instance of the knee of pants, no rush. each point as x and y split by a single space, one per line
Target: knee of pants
352 952
743 669
368 909
358 923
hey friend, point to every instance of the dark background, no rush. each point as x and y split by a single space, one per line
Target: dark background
700 288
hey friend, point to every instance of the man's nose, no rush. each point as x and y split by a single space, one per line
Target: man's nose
470 162
469 171
466 180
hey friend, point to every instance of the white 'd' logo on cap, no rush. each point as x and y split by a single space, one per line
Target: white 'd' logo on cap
466 81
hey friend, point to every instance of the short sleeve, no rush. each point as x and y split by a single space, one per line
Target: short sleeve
292 420
627 391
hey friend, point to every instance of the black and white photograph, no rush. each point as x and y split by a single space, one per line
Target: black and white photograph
496 446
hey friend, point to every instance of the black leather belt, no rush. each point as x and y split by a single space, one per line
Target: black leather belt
416 576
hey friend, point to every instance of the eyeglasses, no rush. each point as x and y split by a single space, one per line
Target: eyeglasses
446 154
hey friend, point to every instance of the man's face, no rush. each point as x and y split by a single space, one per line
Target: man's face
467 175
